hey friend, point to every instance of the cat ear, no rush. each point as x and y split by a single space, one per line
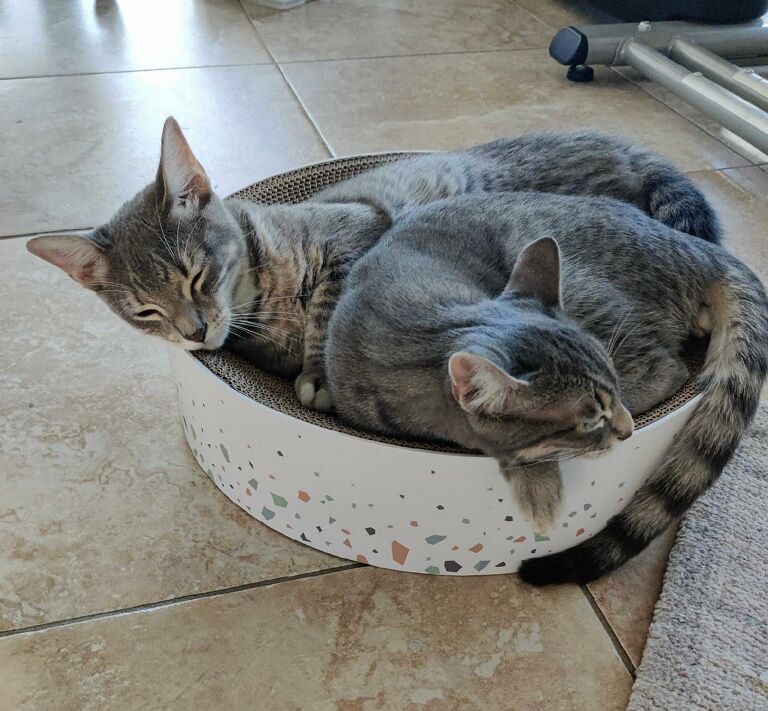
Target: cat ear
536 273
183 187
80 257
480 386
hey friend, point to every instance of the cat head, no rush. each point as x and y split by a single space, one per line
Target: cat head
550 390
167 262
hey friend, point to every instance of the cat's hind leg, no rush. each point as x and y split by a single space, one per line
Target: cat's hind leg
649 378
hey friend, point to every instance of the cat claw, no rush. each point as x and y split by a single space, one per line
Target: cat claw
313 392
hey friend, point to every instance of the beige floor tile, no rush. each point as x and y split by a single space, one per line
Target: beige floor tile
455 100
361 639
45 37
342 29
712 127
628 596
79 146
102 504
561 13
740 198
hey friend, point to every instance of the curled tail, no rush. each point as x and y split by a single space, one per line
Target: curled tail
733 375
675 201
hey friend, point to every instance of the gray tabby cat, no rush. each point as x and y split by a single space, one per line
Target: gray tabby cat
457 326
178 262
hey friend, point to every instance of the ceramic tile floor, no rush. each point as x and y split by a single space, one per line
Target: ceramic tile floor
126 580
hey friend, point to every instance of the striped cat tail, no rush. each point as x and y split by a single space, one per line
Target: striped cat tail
734 372
675 201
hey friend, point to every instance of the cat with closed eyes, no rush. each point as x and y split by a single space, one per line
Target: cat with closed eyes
532 327
178 262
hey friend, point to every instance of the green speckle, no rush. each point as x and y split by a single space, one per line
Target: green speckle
267 514
328 497
432 570
209 473
434 539
254 484
481 564
279 501
572 514
539 537
621 483
465 520
224 452
587 507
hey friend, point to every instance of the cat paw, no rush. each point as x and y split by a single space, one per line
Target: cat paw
542 512
312 391
538 489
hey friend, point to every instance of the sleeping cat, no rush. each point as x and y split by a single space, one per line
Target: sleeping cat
178 262
531 327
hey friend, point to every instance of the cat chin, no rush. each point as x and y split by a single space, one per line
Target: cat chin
209 345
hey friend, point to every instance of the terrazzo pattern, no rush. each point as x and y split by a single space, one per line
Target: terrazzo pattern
393 506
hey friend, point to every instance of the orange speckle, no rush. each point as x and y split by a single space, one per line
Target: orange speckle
520 539
580 531
477 548
361 558
347 543
399 552
414 524
344 530
304 496
248 492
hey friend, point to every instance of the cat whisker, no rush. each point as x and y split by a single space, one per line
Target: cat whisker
628 334
282 346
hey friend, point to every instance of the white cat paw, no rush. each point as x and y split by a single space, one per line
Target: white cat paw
542 513
312 391
538 490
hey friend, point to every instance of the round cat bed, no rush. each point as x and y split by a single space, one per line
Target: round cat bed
411 506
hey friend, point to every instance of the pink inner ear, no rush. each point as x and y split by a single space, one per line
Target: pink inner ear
461 369
183 175
78 256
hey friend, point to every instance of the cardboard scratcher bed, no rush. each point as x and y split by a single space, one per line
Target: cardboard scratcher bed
410 506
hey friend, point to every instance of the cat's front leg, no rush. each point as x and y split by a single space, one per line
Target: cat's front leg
311 387
538 488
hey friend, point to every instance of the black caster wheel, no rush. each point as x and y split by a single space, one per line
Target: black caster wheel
580 73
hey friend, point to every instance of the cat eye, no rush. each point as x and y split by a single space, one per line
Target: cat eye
147 313
197 281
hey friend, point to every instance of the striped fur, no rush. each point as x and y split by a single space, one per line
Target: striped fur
734 372
434 287
273 273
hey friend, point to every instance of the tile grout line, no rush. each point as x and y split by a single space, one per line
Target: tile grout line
139 71
497 50
65 230
617 645
146 607
751 164
290 86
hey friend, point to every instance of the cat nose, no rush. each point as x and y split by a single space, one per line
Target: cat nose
199 335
